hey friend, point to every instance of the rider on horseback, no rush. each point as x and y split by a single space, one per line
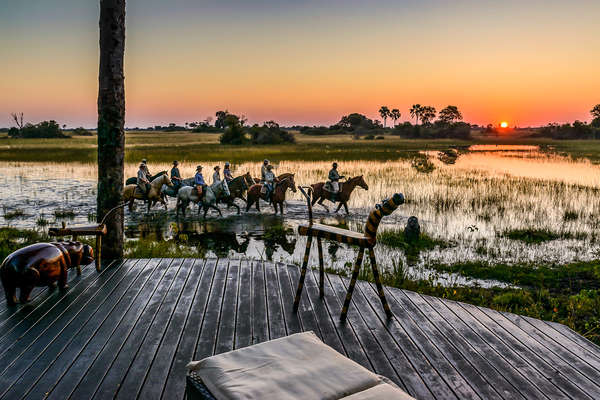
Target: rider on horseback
199 181
270 180
227 173
216 175
148 174
334 178
143 183
263 169
175 176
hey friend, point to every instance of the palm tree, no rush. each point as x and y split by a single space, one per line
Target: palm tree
415 112
384 111
395 114
111 119
427 114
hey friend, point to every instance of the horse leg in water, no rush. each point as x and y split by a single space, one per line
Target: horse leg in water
321 204
231 203
248 204
131 200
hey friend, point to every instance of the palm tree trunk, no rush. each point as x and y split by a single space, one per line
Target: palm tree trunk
111 120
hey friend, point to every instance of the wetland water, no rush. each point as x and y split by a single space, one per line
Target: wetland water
469 201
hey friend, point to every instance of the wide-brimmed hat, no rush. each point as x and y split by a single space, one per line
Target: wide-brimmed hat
142 165
198 167
216 167
265 161
334 164
227 163
144 161
175 162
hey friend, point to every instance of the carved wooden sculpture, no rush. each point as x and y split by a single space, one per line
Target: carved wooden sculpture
368 240
41 264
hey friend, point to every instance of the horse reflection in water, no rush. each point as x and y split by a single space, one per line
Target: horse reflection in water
220 243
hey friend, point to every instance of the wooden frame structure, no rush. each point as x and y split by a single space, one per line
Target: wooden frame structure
366 241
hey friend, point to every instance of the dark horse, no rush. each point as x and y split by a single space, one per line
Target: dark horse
133 179
320 194
254 193
237 187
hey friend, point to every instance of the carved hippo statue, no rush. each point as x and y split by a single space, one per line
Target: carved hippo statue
41 264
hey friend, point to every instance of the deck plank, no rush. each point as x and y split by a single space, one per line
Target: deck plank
226 332
292 320
243 329
275 319
260 326
305 312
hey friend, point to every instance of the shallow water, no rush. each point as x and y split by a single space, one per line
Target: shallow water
471 202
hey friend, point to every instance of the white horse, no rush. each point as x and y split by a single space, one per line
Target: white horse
187 194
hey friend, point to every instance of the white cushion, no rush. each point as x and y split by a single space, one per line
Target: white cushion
299 366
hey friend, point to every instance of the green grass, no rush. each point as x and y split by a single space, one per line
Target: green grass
395 238
13 214
537 236
63 213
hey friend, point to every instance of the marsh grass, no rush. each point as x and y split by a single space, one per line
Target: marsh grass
64 213
13 214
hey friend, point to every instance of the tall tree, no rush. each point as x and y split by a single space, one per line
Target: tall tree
384 111
111 119
427 114
450 114
594 111
415 112
395 115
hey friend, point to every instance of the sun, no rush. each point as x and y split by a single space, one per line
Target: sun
503 124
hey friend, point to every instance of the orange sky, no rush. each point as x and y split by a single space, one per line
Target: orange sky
307 62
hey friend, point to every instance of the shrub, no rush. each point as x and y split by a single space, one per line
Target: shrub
81 131
45 129
270 133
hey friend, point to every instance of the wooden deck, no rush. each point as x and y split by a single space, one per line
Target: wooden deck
129 331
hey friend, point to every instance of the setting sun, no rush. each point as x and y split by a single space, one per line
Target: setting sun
504 124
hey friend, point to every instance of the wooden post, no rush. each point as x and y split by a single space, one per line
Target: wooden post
303 272
321 268
377 278
355 272
98 253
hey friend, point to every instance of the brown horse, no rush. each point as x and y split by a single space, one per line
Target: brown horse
320 194
254 193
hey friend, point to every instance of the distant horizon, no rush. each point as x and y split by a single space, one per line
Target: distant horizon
307 63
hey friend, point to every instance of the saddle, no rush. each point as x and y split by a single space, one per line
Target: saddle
327 187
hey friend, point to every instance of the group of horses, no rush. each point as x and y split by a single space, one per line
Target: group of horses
161 187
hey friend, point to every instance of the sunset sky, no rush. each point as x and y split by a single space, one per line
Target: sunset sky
306 61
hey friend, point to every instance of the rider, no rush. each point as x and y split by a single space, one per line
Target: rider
227 173
263 169
334 178
216 174
199 181
270 179
143 183
175 176
148 175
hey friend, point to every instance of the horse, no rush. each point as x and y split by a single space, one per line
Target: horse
133 179
254 193
320 194
237 187
131 192
189 194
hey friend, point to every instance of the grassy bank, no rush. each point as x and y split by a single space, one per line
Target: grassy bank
167 146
